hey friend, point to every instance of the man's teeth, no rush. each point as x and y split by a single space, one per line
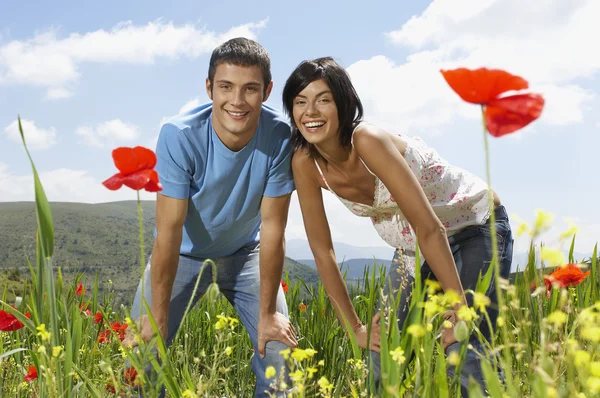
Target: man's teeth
236 113
314 124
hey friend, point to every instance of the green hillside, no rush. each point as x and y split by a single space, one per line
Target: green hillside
98 239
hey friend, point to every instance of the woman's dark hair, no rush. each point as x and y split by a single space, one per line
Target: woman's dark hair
349 107
240 52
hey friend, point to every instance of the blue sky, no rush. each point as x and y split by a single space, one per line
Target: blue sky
90 76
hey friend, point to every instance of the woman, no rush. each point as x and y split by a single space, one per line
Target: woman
406 188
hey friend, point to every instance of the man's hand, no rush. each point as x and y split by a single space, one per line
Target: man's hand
275 327
447 335
143 324
360 334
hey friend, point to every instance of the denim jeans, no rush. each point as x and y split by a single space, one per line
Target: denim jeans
472 251
238 278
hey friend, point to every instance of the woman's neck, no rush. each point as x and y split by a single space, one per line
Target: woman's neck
334 154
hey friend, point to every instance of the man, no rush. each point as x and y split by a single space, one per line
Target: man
225 171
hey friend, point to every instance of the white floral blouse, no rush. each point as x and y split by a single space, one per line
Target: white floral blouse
457 197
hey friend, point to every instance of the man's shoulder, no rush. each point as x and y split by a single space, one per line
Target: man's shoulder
272 119
191 118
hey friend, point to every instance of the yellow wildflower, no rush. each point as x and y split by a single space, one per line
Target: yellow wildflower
311 372
453 358
572 230
500 321
557 318
431 308
228 351
285 353
551 392
593 383
321 362
582 358
416 330
480 301
447 324
432 287
553 256
43 333
543 221
466 313
591 334
270 372
324 384
189 394
429 327
56 351
595 369
398 355
299 354
297 375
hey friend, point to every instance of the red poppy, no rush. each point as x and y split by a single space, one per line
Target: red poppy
503 115
80 290
97 317
103 336
110 388
119 328
136 170
284 286
302 307
32 375
569 275
84 308
9 323
130 374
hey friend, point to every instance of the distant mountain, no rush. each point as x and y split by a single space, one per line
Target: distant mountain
354 268
299 248
98 239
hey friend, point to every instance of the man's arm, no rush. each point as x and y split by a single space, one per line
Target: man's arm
170 216
273 325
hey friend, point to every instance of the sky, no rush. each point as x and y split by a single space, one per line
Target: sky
86 77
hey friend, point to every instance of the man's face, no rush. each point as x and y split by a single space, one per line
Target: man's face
237 94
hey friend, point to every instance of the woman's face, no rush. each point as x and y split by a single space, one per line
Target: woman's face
315 113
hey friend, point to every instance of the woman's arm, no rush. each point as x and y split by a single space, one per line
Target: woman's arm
377 149
319 239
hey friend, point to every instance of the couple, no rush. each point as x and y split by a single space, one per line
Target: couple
228 169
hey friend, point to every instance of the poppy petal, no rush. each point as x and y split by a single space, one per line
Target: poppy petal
480 86
129 160
115 182
509 114
145 158
137 180
125 160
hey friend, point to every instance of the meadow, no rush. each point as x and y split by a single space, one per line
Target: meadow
65 339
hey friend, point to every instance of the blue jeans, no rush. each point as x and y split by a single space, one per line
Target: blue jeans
238 278
472 251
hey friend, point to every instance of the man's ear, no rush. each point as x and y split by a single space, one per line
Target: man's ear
268 90
208 88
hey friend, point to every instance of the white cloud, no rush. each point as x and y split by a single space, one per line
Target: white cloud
108 133
549 46
55 93
36 137
61 185
51 61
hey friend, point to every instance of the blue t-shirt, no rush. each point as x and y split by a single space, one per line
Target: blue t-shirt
224 188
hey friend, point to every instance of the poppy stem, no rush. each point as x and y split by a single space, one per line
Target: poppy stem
142 259
494 237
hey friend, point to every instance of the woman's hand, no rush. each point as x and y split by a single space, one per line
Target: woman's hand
360 333
447 335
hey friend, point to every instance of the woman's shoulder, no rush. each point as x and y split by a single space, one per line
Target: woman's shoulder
301 158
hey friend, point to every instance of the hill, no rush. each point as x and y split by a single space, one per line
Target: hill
98 239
